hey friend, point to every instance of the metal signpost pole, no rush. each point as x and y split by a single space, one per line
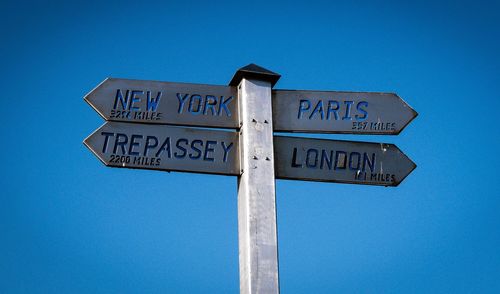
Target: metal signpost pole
258 248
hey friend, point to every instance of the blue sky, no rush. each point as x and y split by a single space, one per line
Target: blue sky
71 225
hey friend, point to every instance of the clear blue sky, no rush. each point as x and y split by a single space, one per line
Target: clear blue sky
69 224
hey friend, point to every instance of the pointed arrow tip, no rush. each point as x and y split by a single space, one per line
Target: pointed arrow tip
90 94
88 142
414 113
409 165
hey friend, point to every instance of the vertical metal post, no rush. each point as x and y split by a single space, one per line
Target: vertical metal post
258 248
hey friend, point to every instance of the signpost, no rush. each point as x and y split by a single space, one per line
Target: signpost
340 112
165 103
340 161
150 126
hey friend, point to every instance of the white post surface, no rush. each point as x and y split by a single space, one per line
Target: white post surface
258 249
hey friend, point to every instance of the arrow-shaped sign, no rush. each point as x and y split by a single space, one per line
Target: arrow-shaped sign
340 161
165 103
166 148
340 112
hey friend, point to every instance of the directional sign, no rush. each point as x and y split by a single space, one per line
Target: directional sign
166 148
340 112
165 103
340 161
140 133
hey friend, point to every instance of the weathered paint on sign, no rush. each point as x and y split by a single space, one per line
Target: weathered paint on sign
169 148
340 112
165 103
340 161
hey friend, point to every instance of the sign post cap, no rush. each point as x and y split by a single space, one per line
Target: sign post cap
254 72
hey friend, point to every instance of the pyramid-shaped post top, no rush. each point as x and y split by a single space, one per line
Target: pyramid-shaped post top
254 72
